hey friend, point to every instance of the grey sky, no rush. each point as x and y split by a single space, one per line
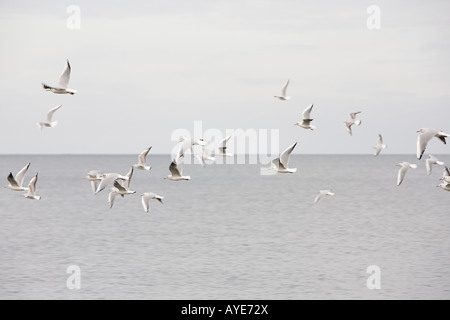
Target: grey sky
146 68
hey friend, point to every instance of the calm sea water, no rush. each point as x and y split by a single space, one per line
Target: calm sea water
229 233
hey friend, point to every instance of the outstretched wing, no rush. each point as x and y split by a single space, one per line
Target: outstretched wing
307 113
65 76
284 157
283 91
51 112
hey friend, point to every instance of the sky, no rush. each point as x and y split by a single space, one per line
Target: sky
146 71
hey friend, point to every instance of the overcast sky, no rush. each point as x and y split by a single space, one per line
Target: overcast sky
145 69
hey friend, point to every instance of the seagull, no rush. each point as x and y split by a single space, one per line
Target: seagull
107 179
176 170
306 123
206 155
402 171
223 148
142 162
146 197
380 145
94 177
281 163
283 92
323 193
32 189
353 121
117 189
50 123
63 83
426 134
16 183
430 161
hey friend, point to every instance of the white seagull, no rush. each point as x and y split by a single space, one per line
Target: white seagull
146 197
323 193
32 189
63 83
353 121
380 145
117 190
281 163
430 161
306 122
49 123
176 170
107 179
426 134
16 183
142 160
283 92
402 171
223 148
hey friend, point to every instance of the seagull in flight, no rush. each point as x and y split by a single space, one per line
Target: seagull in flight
223 148
353 121
281 163
16 183
176 170
430 161
283 92
380 145
49 123
323 193
306 122
147 196
117 190
32 189
142 161
426 134
63 83
404 166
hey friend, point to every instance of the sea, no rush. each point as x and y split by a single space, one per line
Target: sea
231 232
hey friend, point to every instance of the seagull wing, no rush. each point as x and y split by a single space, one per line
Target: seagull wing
278 164
380 140
111 197
119 187
318 197
284 157
129 175
65 76
307 113
12 181
173 168
401 174
283 91
21 175
353 114
51 112
32 185
143 155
